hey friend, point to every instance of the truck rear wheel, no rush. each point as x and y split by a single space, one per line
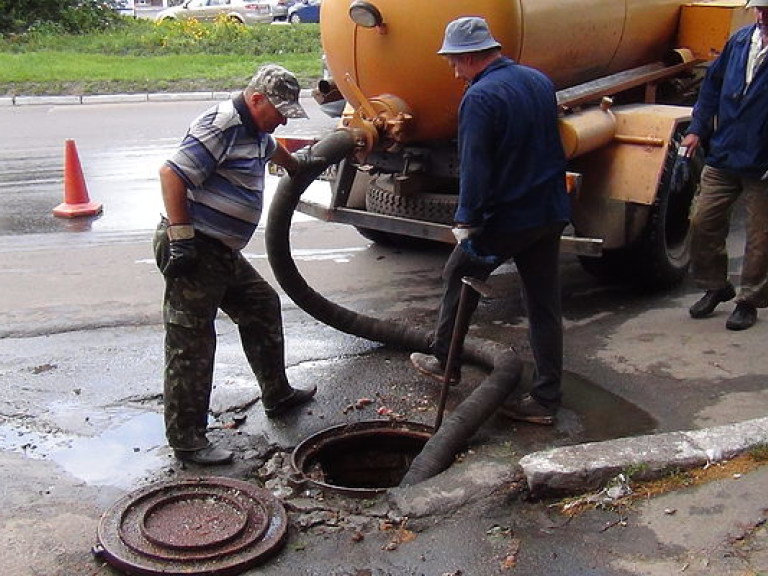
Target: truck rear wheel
660 258
382 199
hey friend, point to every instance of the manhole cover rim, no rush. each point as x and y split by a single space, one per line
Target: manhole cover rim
312 444
114 550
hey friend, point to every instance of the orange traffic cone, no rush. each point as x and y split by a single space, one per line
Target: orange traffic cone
76 201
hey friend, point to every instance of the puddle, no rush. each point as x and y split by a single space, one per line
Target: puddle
589 413
119 456
601 415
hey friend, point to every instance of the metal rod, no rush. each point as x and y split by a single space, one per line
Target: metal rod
640 140
457 341
621 81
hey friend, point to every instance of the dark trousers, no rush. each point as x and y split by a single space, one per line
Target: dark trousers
536 254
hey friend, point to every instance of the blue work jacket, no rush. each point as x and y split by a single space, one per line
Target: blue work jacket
731 119
512 164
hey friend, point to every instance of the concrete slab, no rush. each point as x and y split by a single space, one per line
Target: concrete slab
179 96
46 100
583 467
113 98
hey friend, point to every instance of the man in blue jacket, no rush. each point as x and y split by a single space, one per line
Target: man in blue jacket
512 204
730 120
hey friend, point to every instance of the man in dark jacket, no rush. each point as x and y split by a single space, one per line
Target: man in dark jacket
512 204
730 120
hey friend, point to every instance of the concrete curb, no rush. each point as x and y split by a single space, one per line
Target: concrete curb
121 98
584 467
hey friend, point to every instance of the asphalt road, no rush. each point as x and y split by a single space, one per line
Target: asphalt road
120 147
81 359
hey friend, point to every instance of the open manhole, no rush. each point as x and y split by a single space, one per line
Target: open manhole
362 458
212 526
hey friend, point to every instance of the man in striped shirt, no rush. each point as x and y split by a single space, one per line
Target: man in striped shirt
213 188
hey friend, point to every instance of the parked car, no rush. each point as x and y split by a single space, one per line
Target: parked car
124 7
242 11
280 9
304 11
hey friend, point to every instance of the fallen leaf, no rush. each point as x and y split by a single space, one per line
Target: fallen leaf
363 402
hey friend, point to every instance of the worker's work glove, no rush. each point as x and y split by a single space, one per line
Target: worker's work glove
465 233
470 247
681 171
307 160
764 177
182 252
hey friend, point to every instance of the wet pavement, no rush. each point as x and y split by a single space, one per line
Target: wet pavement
119 165
81 425
81 422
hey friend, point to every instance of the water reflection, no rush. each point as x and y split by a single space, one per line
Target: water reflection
121 455
124 180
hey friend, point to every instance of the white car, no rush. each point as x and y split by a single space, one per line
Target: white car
242 11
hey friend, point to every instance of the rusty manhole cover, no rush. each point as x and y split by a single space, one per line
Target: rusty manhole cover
213 526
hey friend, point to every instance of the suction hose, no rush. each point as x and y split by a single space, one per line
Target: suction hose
466 419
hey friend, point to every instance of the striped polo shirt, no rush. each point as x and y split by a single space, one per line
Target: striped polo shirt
222 160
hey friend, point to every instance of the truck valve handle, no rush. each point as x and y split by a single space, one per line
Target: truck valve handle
362 101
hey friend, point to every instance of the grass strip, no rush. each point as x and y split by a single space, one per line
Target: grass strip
145 57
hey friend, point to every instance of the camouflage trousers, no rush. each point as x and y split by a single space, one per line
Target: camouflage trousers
222 280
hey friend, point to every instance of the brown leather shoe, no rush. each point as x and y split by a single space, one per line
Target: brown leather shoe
297 397
528 409
211 455
707 303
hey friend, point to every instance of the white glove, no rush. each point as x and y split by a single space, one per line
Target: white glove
462 234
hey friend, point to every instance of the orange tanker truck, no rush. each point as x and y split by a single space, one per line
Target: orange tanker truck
626 73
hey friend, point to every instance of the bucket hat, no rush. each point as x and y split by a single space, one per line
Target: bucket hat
469 34
281 88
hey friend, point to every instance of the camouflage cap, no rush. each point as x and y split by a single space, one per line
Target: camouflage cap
281 88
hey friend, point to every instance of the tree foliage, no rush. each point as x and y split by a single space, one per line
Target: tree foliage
71 16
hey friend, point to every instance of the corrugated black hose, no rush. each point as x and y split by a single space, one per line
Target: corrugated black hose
466 419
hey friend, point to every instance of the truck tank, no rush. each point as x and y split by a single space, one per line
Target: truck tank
626 72
572 41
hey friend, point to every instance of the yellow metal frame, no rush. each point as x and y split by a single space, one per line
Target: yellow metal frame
621 180
706 26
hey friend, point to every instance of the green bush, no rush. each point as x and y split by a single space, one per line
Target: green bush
131 37
226 37
71 16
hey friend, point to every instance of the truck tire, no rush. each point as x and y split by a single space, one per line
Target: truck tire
381 199
661 256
